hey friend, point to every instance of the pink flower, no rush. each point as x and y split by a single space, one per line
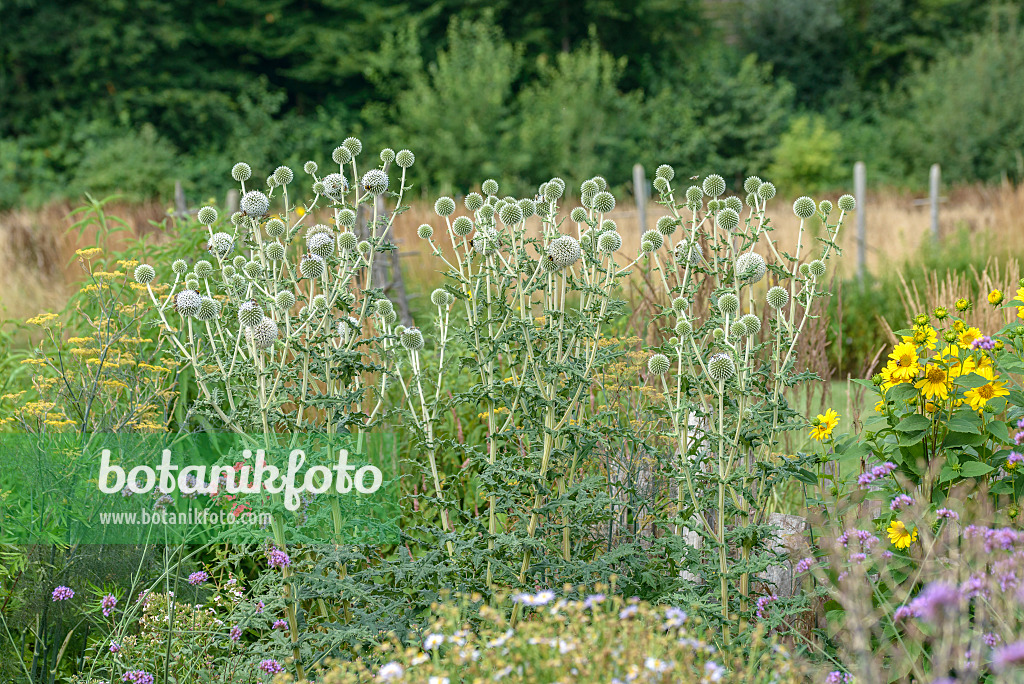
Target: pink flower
278 559
235 633
271 666
945 513
107 603
198 577
63 593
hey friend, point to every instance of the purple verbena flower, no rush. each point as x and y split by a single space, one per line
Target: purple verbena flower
279 624
934 600
137 677
803 565
271 666
900 502
236 633
198 577
278 559
1008 656
63 593
107 603
945 513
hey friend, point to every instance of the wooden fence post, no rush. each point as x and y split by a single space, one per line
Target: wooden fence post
934 183
859 191
640 195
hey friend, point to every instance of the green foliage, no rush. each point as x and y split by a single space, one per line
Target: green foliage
807 155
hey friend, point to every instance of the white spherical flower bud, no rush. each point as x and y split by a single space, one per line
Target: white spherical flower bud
203 269
718 334
687 250
187 302
383 306
441 297
752 323
412 339
563 252
353 145
665 171
578 215
817 268
728 219
387 155
609 242
250 313
766 191
238 284
646 246
694 195
335 186
264 334
283 175
666 225
275 227
425 231
144 274
310 167
209 309
347 218
284 300
750 267
728 303
487 212
364 248
489 187
734 203
444 206
777 297
528 207
721 367
375 182
589 187
804 207
341 155
737 329
254 203
654 237
510 214
602 184
473 201
714 185
462 226
207 216
239 261
311 266
658 364
319 305
347 240
179 266
321 244
751 200
683 328
191 282
805 270
241 172
751 184
229 271
405 158
679 304
604 202
847 203
825 207
253 269
271 182
661 185
554 189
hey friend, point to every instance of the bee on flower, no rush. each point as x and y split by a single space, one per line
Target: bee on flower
903 363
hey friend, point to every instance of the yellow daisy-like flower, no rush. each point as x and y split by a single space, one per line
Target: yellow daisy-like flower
968 336
935 384
924 336
824 424
900 536
1020 298
905 366
979 396
962 304
995 297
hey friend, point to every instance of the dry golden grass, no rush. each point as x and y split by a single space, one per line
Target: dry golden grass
37 253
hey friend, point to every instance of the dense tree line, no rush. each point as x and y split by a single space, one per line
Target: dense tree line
98 95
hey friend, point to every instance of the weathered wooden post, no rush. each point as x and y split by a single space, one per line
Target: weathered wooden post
859 191
640 194
180 205
934 183
231 202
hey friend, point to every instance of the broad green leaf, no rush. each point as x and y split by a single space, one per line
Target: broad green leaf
975 469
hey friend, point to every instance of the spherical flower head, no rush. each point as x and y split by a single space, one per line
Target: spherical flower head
310 167
578 215
444 206
816 268
603 202
737 329
609 242
654 237
751 199
658 364
766 191
689 251
441 297
254 203
250 313
209 309
341 155
271 182
191 282
319 304
412 339
321 244
528 207
144 274
486 212
187 303
721 367
963 304
489 187
179 266
405 158
553 190
563 252
804 207
713 185
284 300
694 195
311 266
253 269
847 203
679 304
241 172
335 186
461 226
353 145
510 214
63 593
728 218
274 251
425 231
364 248
646 246
683 328
203 269
750 267
347 241
825 207
263 334
734 203
728 303
207 216
375 182
383 306
751 184
387 155
666 225
283 175
777 297
752 324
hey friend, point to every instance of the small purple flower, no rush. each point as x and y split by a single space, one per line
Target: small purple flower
763 603
271 666
107 603
137 677
63 593
278 559
858 557
837 677
235 633
279 624
984 342
903 613
991 639
1014 460
593 600
1018 438
900 502
934 600
1008 656
115 647
883 470
198 577
946 514
259 607
804 565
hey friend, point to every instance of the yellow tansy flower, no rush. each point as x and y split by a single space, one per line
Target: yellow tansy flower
900 536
